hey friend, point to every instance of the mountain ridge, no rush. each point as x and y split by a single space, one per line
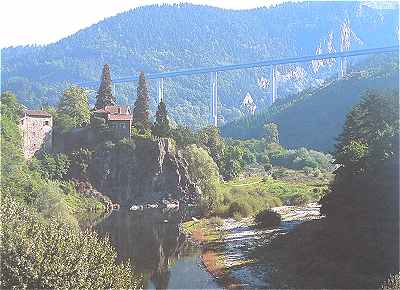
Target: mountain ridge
168 37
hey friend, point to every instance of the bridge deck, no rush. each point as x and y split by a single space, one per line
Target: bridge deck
197 71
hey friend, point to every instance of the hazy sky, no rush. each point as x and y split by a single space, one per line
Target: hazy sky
44 21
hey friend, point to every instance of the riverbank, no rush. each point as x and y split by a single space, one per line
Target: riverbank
229 246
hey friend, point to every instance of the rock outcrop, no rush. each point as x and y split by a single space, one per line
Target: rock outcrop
142 171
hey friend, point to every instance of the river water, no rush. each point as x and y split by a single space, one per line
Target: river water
152 239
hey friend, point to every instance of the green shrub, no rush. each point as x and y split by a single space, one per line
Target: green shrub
239 207
52 166
268 219
279 173
298 199
36 253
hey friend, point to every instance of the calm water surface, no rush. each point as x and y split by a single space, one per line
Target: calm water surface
158 249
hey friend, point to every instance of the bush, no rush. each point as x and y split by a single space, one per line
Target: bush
279 173
52 166
204 172
298 199
268 219
36 253
240 208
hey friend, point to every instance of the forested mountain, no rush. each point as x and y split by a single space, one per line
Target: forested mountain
315 117
164 38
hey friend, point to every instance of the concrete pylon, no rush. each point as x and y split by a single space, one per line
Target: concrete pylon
274 84
160 90
214 98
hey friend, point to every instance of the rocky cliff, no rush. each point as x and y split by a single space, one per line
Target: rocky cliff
142 171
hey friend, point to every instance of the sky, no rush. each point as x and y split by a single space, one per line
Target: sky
25 22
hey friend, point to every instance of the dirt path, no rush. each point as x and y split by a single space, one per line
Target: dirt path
241 238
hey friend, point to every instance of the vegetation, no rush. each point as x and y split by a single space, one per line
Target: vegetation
271 133
104 95
38 253
54 167
367 151
161 126
141 108
204 173
315 117
362 208
245 199
267 219
41 243
73 109
207 37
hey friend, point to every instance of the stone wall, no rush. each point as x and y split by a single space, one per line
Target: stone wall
36 134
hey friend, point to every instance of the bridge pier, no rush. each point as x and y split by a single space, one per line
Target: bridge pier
214 98
160 90
342 67
274 84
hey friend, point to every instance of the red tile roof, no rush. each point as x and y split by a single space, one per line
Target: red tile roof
37 113
119 117
114 110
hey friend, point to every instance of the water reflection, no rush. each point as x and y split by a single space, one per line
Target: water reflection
153 241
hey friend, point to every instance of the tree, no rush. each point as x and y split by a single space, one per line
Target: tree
183 136
233 161
271 133
204 172
73 110
52 166
104 94
161 126
141 108
367 150
10 107
210 139
47 254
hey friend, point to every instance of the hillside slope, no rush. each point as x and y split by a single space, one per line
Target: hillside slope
163 38
314 118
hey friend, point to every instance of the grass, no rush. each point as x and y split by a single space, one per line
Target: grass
203 230
246 197
80 203
86 209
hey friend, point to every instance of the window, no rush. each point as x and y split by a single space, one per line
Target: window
46 123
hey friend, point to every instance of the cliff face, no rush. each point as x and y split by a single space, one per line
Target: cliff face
142 171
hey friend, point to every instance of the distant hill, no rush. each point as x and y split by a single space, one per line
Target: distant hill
314 118
163 38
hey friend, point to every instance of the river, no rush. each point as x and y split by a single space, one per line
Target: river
152 239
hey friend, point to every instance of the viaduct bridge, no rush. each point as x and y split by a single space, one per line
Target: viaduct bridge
273 63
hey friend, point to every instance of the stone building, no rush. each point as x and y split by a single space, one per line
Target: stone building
36 128
119 118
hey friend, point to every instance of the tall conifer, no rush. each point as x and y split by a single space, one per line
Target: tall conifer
104 94
141 108
161 126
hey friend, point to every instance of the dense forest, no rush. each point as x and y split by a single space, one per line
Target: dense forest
315 117
164 38
357 244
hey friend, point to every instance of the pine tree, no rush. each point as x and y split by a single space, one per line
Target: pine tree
161 126
104 94
141 108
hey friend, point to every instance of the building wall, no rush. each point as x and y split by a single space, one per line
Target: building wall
122 129
36 134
